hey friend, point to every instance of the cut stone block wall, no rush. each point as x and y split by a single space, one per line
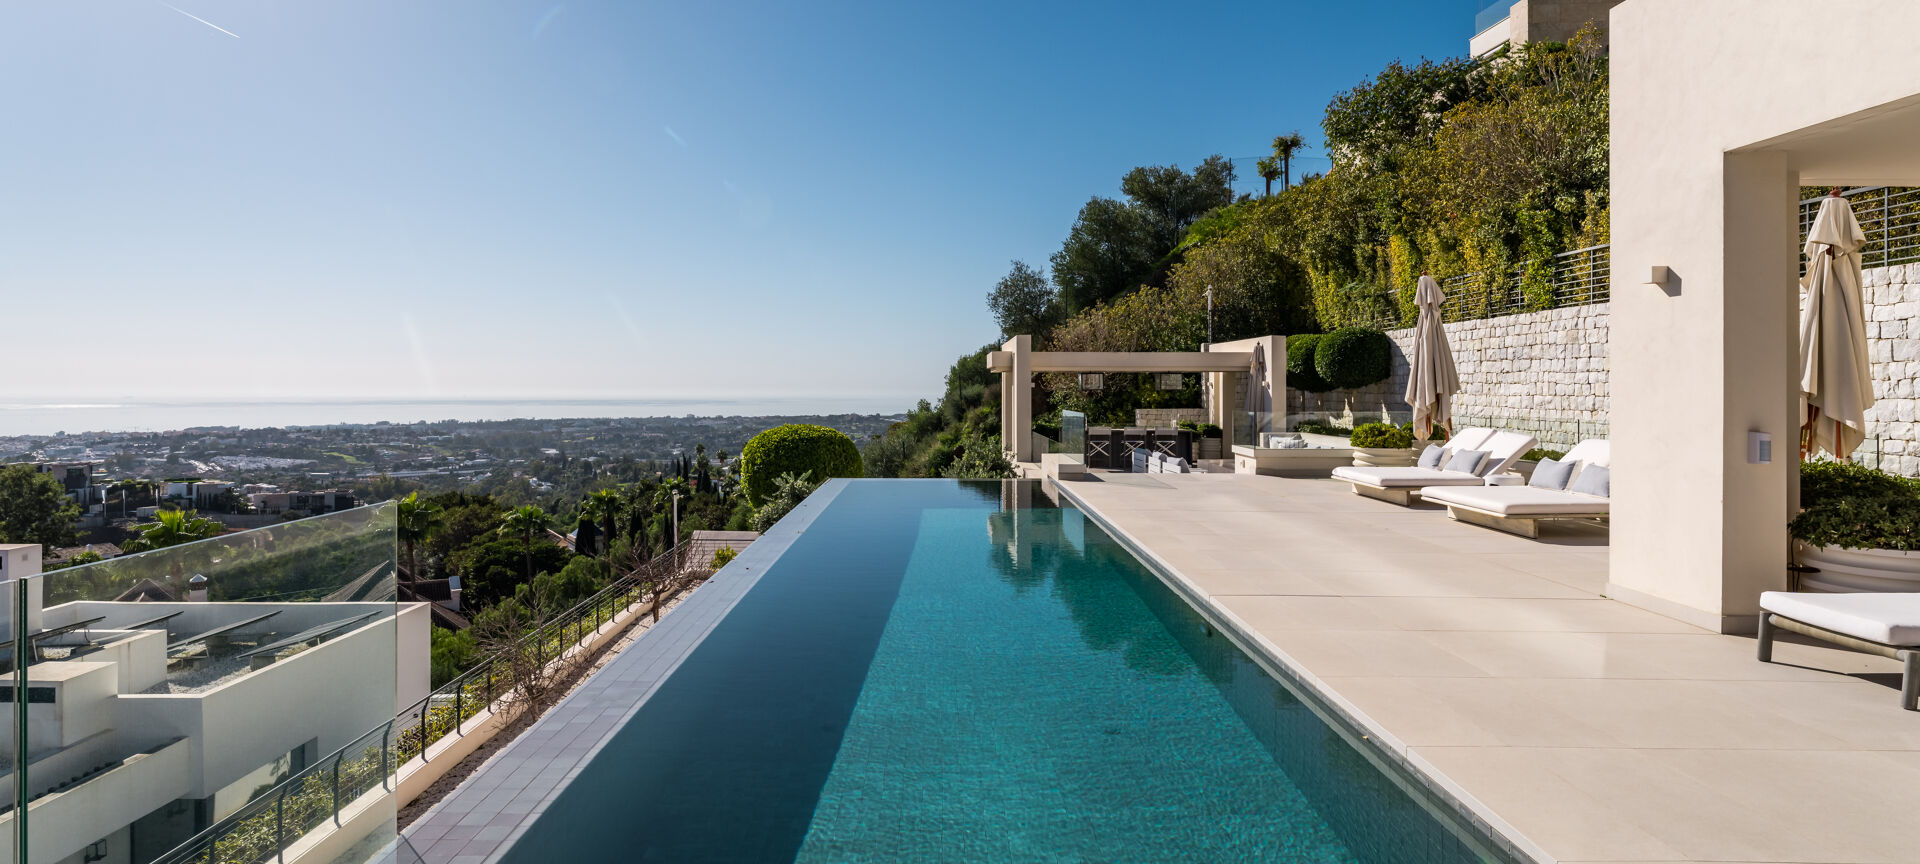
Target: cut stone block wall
1166 418
1893 349
1544 373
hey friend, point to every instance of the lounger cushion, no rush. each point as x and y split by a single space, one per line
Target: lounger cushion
1430 457
1468 461
1519 501
1398 478
1551 474
1593 480
1889 619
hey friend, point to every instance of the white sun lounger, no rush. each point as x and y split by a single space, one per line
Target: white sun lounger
1883 624
1520 509
1399 485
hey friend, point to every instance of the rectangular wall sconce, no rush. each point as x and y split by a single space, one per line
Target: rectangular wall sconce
1169 380
1659 276
1093 380
1759 448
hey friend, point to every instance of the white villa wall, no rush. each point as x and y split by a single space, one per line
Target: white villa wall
1712 135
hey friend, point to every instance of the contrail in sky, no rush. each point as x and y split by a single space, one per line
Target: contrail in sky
675 136
200 19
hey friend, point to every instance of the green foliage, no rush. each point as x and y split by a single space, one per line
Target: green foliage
1204 430
172 528
722 557
1023 301
492 569
798 449
1382 436
1537 453
34 508
1354 357
1116 246
77 559
1302 374
980 458
787 493
1855 507
1315 427
452 652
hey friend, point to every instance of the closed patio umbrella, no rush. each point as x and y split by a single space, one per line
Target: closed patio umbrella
1431 378
1836 385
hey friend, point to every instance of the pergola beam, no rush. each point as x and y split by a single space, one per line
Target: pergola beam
1125 361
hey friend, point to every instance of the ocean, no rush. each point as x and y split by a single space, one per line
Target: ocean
47 418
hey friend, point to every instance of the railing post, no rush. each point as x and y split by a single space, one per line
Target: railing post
280 825
459 709
336 790
386 757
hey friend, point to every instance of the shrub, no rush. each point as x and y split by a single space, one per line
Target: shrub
1353 357
1539 453
1302 375
788 492
723 556
1381 436
1316 427
1856 507
799 449
1207 430
980 458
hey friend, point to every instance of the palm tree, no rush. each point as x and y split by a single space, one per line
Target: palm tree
603 506
527 523
1269 171
418 518
1283 149
172 528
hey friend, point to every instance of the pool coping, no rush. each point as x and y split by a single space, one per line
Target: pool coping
482 818
1483 829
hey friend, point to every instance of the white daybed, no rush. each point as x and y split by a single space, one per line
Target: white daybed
1399 485
1883 624
1520 509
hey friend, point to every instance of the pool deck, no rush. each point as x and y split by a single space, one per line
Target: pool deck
1582 728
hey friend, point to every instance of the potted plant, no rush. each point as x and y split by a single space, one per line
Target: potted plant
1524 465
1382 445
1858 529
1206 440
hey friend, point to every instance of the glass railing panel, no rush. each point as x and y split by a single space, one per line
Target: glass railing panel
229 696
1492 12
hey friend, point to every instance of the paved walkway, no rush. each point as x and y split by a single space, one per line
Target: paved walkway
1585 729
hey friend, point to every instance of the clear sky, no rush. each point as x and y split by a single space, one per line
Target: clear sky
291 199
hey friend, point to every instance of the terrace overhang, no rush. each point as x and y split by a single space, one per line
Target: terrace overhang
1247 375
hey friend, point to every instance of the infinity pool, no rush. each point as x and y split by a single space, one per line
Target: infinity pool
961 671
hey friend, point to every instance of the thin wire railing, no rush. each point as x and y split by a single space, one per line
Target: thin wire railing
1581 277
264 828
1889 216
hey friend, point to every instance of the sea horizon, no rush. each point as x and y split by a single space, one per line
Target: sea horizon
74 417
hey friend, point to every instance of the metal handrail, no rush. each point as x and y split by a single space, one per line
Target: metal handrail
1577 278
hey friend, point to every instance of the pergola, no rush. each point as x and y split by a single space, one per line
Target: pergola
1260 358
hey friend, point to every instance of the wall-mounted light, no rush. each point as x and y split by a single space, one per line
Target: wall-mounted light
1169 380
1093 380
1659 276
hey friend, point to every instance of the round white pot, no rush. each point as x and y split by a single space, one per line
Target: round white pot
1848 571
1384 457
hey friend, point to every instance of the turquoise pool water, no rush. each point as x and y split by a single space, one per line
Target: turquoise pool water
951 671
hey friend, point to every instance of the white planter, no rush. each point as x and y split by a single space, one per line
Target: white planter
1384 457
1849 571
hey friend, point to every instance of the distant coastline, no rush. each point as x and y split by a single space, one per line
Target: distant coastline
26 418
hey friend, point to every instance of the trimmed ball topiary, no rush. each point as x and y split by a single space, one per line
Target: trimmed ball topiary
1301 374
1354 357
797 449
1381 436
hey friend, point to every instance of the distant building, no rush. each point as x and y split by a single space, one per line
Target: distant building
195 493
82 479
1516 22
316 503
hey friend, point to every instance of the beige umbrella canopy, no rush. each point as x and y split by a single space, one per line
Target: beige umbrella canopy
1431 380
1836 385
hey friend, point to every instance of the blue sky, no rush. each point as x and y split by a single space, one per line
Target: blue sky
437 199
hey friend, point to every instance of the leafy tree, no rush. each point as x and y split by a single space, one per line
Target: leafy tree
1116 246
417 520
172 528
34 508
1269 168
452 652
526 523
1284 147
1024 302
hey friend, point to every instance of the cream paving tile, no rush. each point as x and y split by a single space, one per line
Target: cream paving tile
1270 613
1483 613
1248 580
1467 712
1704 656
1568 819
1371 654
1443 582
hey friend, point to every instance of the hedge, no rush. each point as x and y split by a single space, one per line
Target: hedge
798 449
1301 374
1382 436
1353 357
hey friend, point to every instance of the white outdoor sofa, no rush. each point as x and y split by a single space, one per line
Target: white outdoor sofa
1399 485
1883 624
1521 509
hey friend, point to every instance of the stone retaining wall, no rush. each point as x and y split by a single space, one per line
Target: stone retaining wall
1893 349
1167 418
1544 373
